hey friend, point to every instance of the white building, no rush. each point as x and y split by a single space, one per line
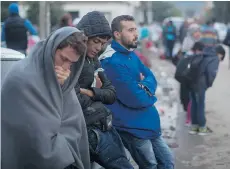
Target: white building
111 9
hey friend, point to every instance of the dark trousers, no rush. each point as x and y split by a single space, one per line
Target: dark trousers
198 108
184 96
106 148
170 46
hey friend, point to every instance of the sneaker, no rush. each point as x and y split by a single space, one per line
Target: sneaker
187 124
193 129
203 131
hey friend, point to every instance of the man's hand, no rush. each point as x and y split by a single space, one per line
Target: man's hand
62 74
142 77
98 82
86 92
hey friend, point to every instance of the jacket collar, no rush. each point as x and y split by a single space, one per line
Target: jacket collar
117 47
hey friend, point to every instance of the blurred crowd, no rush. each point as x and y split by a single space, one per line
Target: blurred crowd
196 50
86 95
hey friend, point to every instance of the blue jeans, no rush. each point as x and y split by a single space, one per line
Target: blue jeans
148 154
169 47
107 149
198 108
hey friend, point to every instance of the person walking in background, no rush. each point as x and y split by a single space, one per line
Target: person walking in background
192 36
183 31
134 115
14 30
185 88
144 39
188 47
66 20
169 33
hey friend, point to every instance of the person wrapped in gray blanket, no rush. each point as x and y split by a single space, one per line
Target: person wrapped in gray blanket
43 126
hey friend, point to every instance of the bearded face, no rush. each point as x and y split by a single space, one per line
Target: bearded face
129 34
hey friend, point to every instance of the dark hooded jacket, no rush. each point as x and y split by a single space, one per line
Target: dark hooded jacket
208 68
43 126
227 39
94 24
94 108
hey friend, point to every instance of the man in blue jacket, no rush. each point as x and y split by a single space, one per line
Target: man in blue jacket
134 114
14 30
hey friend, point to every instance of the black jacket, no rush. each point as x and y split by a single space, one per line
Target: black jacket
227 39
208 69
16 33
94 106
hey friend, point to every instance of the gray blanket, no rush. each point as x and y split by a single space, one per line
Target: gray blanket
42 124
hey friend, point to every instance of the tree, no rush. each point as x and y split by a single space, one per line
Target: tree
221 10
56 12
163 9
190 12
175 12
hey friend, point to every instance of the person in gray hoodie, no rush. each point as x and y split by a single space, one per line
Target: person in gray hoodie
192 36
43 126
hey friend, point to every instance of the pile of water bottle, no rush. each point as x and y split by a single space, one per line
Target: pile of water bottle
168 102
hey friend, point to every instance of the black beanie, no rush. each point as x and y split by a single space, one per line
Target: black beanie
94 24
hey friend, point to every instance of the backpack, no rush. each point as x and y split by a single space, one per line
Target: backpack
188 70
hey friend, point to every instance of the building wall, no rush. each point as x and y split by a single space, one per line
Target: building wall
110 8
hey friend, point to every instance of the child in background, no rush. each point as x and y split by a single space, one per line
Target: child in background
208 70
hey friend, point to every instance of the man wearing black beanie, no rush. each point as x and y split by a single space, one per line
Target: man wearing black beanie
93 91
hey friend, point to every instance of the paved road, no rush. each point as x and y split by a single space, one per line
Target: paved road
213 151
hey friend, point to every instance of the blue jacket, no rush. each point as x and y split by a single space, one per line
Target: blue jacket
134 110
209 66
208 69
170 32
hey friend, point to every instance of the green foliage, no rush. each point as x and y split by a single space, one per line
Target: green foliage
175 12
221 11
56 11
33 11
164 9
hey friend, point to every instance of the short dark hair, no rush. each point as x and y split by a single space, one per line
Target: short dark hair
116 23
210 22
64 20
198 46
171 22
77 41
220 50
